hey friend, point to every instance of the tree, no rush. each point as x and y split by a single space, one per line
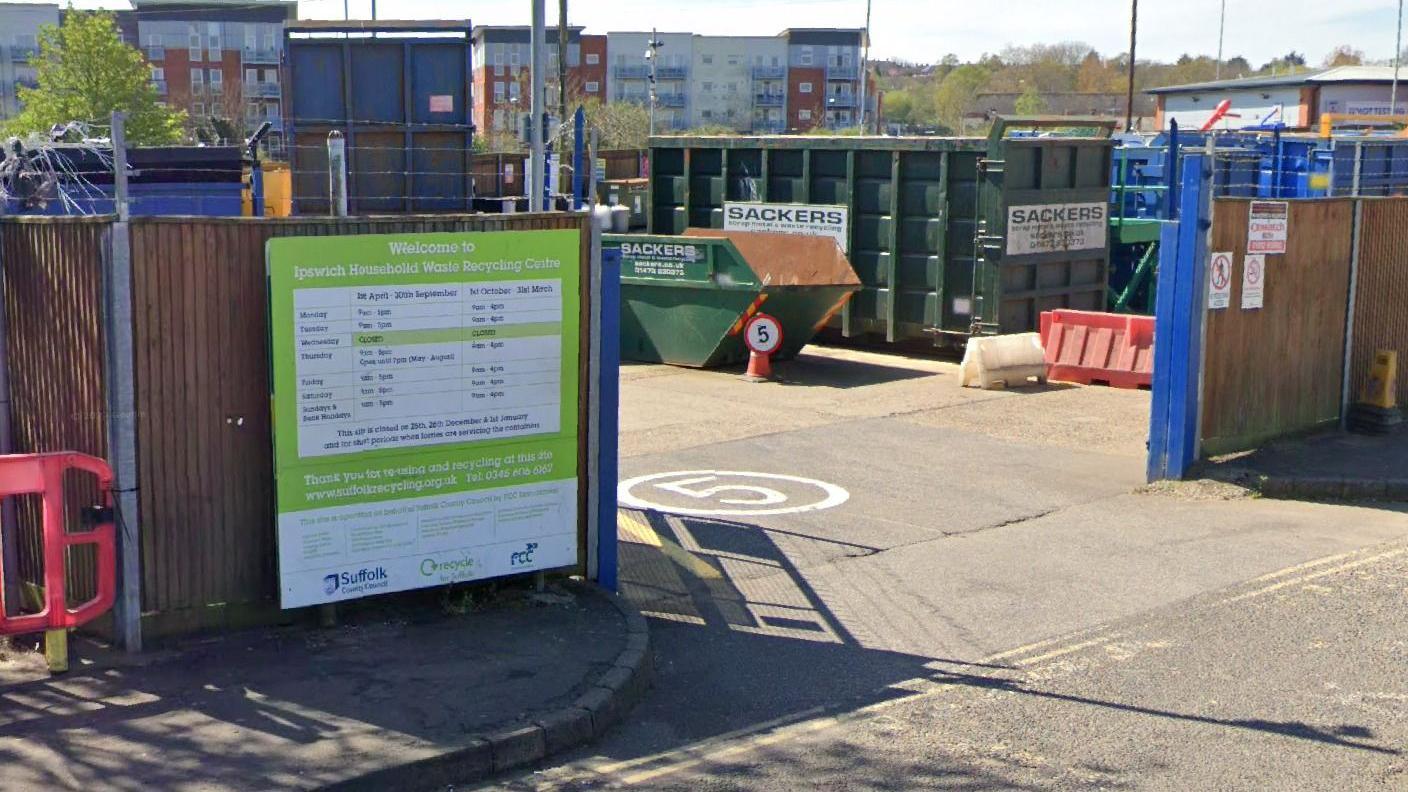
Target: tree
956 93
1344 55
1030 102
84 73
620 125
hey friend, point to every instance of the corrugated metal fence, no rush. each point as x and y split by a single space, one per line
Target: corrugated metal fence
202 373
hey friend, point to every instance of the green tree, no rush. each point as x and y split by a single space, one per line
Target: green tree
955 94
1344 55
1030 102
620 125
84 73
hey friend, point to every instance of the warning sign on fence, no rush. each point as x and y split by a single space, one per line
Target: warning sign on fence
1253 280
1267 225
1055 228
1220 281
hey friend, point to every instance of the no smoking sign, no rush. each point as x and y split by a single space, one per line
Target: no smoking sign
1253 280
1220 281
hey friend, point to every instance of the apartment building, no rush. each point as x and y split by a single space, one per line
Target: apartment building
19 46
628 76
823 79
217 58
502 77
739 82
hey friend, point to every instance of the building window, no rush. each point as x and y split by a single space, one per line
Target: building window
193 45
804 87
513 92
804 115
593 59
593 87
197 77
498 92
251 75
271 76
216 78
805 58
733 88
706 114
270 33
498 54
198 109
158 73
513 57
708 87
707 58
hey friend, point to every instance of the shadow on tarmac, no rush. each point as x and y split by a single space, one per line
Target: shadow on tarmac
743 639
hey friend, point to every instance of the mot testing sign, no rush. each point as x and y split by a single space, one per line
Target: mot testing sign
425 398
1253 280
1220 281
1267 225
804 219
1056 228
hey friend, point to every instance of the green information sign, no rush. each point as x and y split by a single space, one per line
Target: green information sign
425 397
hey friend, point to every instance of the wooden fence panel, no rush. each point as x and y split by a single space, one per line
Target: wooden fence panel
1381 291
205 447
1277 370
53 327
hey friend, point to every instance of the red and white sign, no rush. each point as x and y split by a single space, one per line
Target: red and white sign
1220 281
1253 280
1266 226
442 103
763 334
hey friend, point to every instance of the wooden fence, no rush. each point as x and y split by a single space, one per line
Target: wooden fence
1381 291
1277 369
201 365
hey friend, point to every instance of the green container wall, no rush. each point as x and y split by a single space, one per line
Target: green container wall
685 317
915 206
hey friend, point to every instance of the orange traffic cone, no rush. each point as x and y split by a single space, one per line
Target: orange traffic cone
759 367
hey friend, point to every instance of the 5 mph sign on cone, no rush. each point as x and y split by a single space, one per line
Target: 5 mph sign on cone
763 336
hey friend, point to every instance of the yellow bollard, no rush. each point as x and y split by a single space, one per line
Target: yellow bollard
56 650
1383 376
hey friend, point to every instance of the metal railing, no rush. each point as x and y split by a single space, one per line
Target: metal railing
769 72
670 99
259 55
841 72
840 100
631 72
769 99
23 54
156 53
671 72
268 90
769 127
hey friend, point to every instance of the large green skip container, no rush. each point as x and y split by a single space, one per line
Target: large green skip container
928 230
684 298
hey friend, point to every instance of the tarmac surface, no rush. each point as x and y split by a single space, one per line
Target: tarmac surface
993 600
406 679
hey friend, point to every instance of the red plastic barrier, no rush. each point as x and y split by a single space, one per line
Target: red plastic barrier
1098 348
44 474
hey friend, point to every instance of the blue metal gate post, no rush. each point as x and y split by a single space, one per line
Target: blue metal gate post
608 385
579 173
1178 325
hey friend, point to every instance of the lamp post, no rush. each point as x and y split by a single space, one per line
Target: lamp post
652 49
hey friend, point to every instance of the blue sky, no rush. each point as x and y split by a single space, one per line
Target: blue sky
924 30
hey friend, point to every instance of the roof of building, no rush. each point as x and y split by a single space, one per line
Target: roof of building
1339 74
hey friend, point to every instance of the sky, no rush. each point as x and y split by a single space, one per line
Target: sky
926 30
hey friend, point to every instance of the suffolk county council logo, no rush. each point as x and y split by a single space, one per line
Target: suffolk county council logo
358 581
330 585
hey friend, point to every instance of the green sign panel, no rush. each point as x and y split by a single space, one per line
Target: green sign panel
425 397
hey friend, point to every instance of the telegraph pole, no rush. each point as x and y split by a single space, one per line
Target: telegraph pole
652 54
864 65
1397 56
1221 28
1129 95
562 61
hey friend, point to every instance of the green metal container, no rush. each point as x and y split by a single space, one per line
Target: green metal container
631 193
684 298
928 218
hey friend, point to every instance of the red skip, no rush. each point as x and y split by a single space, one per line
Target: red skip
1098 348
44 474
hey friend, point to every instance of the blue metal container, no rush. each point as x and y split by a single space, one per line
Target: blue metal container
401 95
201 181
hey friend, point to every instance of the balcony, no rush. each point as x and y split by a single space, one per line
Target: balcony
631 72
156 53
259 55
837 101
261 90
670 99
671 73
769 100
632 97
841 72
160 86
23 54
769 72
769 127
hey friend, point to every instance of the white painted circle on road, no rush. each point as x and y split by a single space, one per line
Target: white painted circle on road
730 493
